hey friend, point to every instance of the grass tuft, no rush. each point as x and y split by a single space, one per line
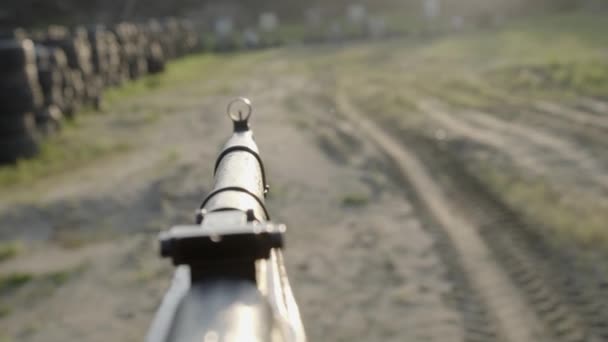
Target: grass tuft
355 200
13 281
4 311
573 217
59 278
9 250
58 154
584 77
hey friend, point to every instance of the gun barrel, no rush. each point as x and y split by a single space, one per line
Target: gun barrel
231 278
239 181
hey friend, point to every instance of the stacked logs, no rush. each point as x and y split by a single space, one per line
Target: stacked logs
49 75
77 48
52 69
20 97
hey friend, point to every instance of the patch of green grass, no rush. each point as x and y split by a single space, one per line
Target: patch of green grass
172 156
22 289
59 278
72 239
355 200
59 153
15 294
145 85
13 281
568 217
29 329
184 70
381 95
585 77
215 70
151 117
9 250
539 56
134 88
4 311
461 93
147 272
534 39
583 27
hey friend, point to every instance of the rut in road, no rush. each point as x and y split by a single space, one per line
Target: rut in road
515 319
588 112
572 115
412 295
532 149
593 105
563 292
563 150
515 152
584 123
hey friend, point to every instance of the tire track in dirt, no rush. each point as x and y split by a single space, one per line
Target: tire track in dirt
557 287
593 105
533 149
516 320
515 152
406 297
586 119
562 149
587 116
572 115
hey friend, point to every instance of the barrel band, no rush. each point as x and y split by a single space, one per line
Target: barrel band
237 189
241 148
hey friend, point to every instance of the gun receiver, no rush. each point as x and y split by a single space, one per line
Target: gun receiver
230 283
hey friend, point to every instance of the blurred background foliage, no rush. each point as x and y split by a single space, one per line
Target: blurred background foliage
37 13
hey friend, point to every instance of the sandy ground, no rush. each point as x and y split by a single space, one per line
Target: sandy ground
364 271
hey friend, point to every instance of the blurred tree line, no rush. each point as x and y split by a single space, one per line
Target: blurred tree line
32 13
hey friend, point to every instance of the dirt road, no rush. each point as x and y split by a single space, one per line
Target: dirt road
362 263
377 248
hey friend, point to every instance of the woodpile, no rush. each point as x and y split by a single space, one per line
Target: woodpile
51 74
20 97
